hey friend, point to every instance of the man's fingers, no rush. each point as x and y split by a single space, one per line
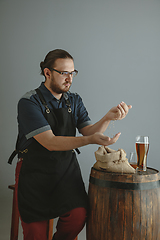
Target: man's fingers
114 139
123 109
117 135
129 106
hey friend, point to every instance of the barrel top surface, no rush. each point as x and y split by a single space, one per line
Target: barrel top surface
145 176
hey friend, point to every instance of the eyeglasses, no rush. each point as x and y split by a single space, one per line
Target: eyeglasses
65 73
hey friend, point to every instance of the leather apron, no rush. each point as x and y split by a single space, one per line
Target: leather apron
50 182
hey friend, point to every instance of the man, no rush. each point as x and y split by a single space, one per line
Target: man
48 178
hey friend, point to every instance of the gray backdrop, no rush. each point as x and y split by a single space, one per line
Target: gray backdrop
116 46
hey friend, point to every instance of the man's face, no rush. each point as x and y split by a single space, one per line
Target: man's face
60 84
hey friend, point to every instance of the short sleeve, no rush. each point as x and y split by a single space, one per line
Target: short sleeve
30 118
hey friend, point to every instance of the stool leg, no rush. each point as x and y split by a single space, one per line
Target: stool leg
50 229
15 220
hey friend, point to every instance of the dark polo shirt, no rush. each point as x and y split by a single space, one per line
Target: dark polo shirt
31 120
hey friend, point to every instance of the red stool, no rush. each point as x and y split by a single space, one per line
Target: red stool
15 220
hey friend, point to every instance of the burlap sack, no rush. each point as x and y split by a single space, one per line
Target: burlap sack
112 161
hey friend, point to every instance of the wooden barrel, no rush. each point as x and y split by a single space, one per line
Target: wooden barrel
124 206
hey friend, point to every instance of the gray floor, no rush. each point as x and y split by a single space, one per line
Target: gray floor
5 218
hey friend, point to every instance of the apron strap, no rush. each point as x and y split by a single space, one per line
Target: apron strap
14 153
42 100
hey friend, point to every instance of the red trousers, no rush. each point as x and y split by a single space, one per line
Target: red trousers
68 225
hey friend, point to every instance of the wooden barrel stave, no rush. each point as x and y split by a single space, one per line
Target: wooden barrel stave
128 213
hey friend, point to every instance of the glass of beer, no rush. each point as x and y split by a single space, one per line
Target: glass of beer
133 160
142 147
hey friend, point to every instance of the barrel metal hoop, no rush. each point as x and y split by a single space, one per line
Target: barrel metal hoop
124 185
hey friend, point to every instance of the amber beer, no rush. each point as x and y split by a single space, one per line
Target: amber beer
134 165
142 151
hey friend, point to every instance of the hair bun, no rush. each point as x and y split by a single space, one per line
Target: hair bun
42 68
41 64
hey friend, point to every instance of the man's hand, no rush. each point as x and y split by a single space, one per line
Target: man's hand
119 112
100 139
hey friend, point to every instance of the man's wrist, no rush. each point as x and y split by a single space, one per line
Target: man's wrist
107 118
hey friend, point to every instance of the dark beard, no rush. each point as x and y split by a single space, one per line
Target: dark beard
56 89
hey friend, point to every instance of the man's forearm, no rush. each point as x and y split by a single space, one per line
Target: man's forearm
61 143
68 143
99 126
